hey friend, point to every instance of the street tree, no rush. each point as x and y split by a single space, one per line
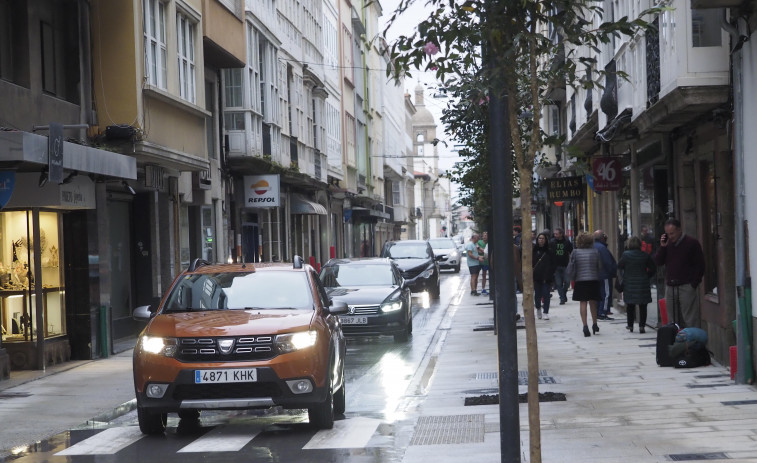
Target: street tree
522 51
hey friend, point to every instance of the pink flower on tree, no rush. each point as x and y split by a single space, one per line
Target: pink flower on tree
430 48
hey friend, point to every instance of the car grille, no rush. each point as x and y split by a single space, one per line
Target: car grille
245 348
410 274
364 309
225 391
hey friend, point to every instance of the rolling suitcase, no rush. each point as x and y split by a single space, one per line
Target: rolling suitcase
666 336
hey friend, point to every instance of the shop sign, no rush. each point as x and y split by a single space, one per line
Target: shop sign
607 174
565 188
77 196
262 191
7 180
55 153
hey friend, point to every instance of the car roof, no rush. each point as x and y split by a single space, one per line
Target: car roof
206 267
361 260
408 242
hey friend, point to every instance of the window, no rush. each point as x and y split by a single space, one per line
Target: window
155 42
59 50
185 33
233 88
396 200
705 28
233 121
14 43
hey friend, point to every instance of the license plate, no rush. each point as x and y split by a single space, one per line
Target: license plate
354 320
227 375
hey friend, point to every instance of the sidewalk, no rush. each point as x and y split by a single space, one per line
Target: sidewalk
620 406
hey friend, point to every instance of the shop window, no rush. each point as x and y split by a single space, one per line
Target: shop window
710 223
19 279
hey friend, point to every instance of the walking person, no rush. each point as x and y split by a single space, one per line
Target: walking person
584 268
683 259
543 274
609 268
474 262
635 268
561 249
482 243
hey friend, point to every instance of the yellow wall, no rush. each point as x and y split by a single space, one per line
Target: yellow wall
175 128
116 61
223 28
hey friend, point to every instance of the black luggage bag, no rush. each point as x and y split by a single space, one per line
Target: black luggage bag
666 336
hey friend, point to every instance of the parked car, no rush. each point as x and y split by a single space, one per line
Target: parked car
238 336
447 253
417 263
378 298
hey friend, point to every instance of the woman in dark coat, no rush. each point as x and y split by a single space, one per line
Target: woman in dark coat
635 268
544 273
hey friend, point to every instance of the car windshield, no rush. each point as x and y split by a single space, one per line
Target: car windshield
357 275
408 251
232 290
442 243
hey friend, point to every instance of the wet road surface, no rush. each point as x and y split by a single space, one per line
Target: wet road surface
385 382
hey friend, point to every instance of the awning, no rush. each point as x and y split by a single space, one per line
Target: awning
300 205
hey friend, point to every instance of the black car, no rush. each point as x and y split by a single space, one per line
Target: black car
417 263
378 298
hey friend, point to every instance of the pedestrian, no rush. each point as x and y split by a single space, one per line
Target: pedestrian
474 262
584 268
683 259
482 243
561 249
543 274
635 267
609 268
517 236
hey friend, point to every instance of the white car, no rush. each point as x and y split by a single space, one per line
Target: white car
447 254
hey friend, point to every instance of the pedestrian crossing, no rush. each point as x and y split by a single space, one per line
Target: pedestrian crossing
347 433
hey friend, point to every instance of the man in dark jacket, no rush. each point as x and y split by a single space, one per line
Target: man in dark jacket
609 268
683 259
561 249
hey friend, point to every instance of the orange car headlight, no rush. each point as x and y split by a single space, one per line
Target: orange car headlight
159 346
291 342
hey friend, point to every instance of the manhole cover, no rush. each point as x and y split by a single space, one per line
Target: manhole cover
453 429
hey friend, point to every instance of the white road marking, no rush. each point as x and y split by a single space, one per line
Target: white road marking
347 434
107 442
222 439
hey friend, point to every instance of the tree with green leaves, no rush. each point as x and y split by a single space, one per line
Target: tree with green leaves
537 46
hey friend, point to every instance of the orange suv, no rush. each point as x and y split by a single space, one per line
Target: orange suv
238 336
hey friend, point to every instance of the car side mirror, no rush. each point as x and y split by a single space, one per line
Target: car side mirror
143 313
337 307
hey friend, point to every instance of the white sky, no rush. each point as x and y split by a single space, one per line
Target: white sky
405 25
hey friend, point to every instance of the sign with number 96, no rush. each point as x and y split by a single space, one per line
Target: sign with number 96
607 173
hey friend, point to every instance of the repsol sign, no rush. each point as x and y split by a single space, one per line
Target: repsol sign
262 190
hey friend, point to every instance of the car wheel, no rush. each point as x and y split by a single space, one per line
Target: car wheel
189 415
340 398
457 269
321 415
151 422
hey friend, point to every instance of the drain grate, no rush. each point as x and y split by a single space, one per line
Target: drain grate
740 402
704 386
699 456
489 375
453 429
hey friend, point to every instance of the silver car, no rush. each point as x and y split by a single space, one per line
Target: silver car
446 253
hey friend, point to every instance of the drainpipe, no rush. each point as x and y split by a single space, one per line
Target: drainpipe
744 373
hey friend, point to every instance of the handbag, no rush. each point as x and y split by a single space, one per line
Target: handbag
619 283
570 269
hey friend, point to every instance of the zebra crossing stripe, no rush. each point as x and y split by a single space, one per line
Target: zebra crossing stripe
222 439
346 434
107 442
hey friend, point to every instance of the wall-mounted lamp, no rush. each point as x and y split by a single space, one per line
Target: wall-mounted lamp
43 177
128 187
70 177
